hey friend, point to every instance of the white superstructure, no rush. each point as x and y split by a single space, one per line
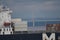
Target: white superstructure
5 20
19 24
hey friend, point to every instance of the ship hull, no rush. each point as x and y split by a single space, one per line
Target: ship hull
33 36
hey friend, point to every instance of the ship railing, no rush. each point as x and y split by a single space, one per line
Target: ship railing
39 29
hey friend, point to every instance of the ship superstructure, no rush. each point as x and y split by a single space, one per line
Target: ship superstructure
16 29
5 20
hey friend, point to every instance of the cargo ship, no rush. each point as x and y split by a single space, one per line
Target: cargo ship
9 32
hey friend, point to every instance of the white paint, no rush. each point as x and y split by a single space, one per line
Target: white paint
5 16
19 24
45 37
6 31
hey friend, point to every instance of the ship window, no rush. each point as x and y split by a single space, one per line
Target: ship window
12 29
24 31
11 32
7 29
0 30
4 29
3 32
9 13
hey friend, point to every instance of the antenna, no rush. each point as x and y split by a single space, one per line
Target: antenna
33 17
0 2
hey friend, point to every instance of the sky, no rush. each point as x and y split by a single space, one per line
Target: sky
33 8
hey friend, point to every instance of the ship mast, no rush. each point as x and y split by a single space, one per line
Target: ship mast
33 17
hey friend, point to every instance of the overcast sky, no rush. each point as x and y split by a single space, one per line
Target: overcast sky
38 8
